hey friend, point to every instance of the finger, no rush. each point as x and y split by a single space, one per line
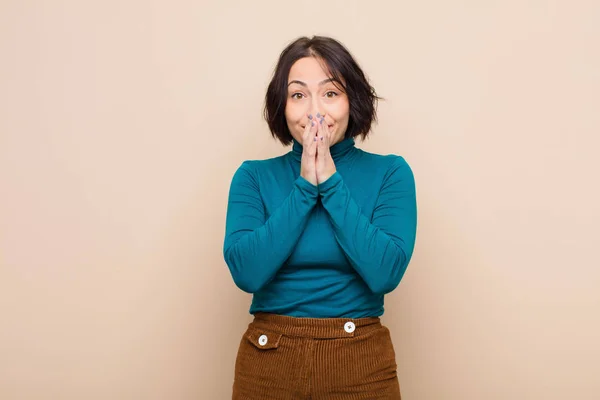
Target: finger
309 142
321 147
311 139
324 130
307 127
318 118
323 141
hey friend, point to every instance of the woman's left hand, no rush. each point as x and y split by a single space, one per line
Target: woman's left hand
325 165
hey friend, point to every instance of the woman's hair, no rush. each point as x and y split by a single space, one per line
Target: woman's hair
345 72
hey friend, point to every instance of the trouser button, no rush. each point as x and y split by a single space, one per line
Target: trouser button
349 327
262 340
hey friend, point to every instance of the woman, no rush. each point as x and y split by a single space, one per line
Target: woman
319 236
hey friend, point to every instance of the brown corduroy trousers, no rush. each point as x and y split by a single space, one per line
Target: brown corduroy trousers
283 357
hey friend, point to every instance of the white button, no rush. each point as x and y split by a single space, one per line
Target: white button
349 327
262 340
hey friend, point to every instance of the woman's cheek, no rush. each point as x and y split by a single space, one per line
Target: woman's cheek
295 112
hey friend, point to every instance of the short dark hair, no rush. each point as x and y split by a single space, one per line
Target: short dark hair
345 71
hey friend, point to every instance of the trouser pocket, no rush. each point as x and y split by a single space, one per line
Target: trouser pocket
268 366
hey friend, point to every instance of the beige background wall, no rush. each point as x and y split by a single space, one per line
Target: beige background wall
122 122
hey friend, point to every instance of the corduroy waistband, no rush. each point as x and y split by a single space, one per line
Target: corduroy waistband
317 328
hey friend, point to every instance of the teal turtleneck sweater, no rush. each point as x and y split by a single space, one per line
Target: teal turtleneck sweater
325 251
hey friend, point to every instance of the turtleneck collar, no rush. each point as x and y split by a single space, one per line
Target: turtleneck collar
338 151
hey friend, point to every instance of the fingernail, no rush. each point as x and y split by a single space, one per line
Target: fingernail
318 115
312 124
315 139
321 138
310 116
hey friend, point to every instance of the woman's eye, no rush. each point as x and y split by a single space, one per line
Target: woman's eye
297 96
330 94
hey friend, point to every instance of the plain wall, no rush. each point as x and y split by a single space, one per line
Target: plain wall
122 123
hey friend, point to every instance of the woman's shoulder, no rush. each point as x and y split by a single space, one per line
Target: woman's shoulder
251 167
389 169
257 163
390 161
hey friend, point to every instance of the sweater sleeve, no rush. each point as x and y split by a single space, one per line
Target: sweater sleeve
381 247
255 246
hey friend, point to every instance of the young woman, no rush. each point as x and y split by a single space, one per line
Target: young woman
319 236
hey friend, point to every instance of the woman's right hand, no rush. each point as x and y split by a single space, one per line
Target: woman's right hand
308 168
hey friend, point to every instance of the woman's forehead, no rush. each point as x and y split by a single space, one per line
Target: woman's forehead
313 72
310 68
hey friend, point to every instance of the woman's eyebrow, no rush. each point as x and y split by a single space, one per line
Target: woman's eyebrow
320 83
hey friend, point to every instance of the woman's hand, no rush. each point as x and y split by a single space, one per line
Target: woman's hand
309 151
325 165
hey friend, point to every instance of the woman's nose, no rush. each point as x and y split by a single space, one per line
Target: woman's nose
316 108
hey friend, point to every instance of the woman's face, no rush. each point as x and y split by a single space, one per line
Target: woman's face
310 91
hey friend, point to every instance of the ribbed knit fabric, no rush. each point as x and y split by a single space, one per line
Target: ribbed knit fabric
282 357
327 251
